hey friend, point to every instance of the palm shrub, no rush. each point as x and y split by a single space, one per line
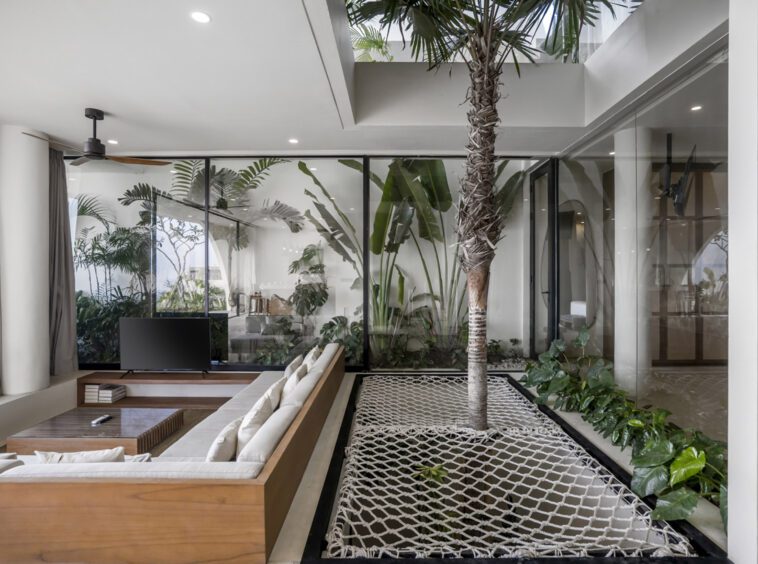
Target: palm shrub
484 34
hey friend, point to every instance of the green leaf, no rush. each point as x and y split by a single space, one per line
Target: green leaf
356 165
635 423
650 481
677 504
331 240
582 338
384 211
689 462
433 177
654 453
559 382
400 228
413 191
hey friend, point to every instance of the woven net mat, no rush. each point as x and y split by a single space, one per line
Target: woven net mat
522 489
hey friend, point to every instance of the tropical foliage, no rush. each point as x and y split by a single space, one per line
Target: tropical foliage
676 465
410 326
369 44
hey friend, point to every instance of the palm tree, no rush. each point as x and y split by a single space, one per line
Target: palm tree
483 34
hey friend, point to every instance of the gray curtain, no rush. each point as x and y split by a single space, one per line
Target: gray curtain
63 355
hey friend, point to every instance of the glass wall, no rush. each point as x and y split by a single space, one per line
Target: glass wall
643 250
418 303
132 246
286 253
272 249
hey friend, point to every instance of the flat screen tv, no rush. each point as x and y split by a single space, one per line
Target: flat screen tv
165 343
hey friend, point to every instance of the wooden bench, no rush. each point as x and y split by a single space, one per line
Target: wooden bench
164 520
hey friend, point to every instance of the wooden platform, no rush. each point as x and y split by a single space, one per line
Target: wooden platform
166 379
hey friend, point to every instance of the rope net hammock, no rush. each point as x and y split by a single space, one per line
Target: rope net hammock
524 488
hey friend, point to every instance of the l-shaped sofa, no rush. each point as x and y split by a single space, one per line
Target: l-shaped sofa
177 507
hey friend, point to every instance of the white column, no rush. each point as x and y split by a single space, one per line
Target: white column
24 261
632 216
743 281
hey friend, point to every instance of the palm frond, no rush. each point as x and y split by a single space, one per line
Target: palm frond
279 211
90 206
251 177
185 176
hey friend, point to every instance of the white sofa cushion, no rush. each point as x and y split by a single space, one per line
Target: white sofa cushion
303 389
294 365
292 381
325 357
253 421
87 456
8 463
144 457
156 469
264 442
312 356
224 448
8 456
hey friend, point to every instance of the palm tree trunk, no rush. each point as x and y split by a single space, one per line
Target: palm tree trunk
479 224
477 283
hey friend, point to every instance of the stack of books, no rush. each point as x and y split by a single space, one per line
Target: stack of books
103 393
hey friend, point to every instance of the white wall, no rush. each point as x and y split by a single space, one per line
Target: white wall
743 277
24 261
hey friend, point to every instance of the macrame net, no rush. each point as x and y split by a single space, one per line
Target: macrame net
524 488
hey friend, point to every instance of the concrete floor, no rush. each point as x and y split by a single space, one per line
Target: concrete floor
291 542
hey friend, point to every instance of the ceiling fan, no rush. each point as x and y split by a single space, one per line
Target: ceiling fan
94 150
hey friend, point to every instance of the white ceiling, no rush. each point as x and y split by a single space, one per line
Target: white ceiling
243 84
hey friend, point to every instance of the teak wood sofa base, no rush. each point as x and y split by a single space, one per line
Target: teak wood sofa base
165 520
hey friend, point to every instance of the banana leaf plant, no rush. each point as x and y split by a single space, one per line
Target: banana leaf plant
416 207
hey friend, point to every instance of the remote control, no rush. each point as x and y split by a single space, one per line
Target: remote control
101 419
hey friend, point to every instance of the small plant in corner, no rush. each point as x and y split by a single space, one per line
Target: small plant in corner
677 465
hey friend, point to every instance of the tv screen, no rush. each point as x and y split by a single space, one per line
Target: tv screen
165 343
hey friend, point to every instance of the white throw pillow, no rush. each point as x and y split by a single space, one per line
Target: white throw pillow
265 441
274 392
107 455
252 421
8 456
144 457
294 365
312 356
224 446
292 381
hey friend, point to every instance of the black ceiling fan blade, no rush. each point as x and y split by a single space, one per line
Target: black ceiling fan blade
80 161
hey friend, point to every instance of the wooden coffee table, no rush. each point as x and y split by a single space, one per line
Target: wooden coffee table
137 429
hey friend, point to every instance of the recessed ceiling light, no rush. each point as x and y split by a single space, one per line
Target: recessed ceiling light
612 153
71 178
352 209
112 141
313 168
294 141
173 171
696 108
200 17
